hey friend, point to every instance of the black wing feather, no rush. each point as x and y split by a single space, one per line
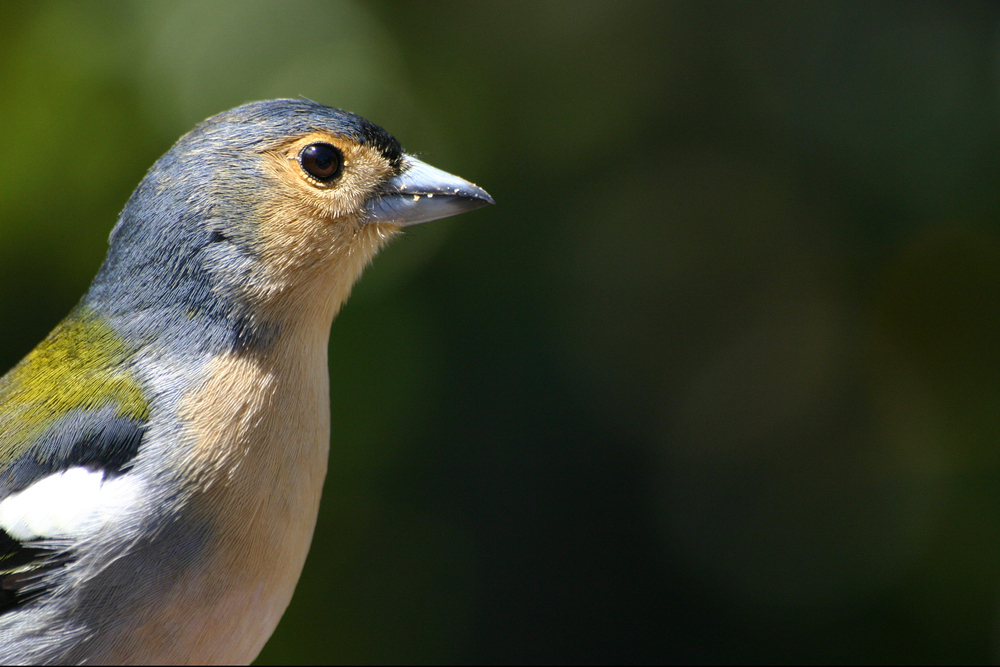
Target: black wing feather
94 439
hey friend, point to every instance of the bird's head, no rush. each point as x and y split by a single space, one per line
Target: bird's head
266 214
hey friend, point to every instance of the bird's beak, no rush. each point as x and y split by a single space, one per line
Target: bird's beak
422 193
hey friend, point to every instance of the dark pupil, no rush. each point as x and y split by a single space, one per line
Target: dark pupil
321 161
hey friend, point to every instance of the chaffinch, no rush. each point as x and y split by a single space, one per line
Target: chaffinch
163 450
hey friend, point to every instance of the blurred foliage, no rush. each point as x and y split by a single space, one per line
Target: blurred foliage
716 380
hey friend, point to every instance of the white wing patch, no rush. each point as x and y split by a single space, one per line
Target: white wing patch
65 504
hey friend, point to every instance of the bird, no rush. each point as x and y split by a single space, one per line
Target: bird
163 450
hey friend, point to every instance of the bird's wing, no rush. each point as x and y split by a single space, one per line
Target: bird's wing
71 418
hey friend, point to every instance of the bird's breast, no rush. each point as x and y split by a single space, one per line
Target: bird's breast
255 466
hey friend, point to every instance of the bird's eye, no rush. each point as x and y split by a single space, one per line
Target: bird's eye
322 161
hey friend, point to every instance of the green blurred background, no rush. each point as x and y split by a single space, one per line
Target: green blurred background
717 379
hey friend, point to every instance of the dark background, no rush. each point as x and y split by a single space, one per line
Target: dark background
717 379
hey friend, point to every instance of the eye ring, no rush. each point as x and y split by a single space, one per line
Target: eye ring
321 161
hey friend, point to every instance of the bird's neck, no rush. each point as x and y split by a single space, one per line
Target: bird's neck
300 299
